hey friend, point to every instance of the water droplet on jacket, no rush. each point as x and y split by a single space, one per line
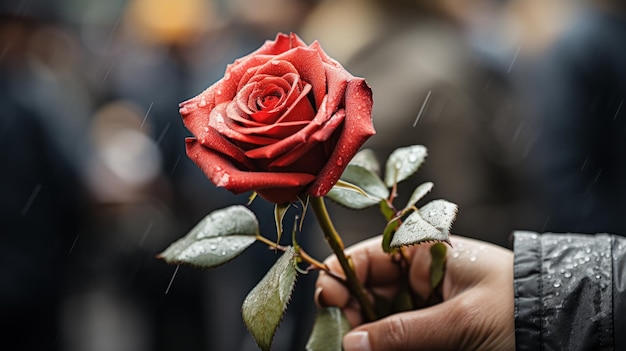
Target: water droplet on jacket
598 276
455 254
274 62
567 274
556 284
206 129
213 247
219 238
339 161
398 165
223 253
473 259
587 259
412 158
202 103
587 250
219 91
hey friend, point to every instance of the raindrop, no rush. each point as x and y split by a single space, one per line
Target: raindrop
172 280
32 197
340 161
219 91
398 164
473 259
145 117
213 247
424 104
455 254
587 259
223 253
556 284
567 274
587 250
202 103
598 276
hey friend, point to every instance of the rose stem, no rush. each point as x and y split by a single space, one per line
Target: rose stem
334 241
305 256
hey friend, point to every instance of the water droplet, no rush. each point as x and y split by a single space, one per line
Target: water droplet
202 103
473 259
223 253
567 274
398 164
587 250
339 161
213 247
455 254
274 62
587 259
431 213
184 110
219 91
206 129
556 284
598 276
412 158
219 238
227 76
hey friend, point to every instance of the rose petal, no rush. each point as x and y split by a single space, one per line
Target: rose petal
221 171
292 141
357 128
228 128
310 66
318 136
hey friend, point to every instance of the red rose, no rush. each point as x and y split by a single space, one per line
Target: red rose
284 121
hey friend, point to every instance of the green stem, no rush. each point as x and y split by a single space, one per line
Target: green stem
334 241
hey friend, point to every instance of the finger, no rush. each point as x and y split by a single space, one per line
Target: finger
433 328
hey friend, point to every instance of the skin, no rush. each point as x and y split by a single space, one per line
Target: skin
476 312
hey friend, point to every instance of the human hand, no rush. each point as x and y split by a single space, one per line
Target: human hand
476 312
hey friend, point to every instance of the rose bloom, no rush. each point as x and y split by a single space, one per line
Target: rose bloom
284 121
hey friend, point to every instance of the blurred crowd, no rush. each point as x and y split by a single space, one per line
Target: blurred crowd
519 102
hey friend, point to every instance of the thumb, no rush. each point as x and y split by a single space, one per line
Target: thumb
435 328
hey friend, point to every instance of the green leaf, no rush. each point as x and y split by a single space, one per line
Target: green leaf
366 159
387 211
328 331
279 214
403 162
431 223
358 188
438 264
218 238
265 305
441 214
418 194
388 233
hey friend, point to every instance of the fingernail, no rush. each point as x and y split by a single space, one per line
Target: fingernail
357 341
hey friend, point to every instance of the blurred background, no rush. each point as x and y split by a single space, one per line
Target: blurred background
520 104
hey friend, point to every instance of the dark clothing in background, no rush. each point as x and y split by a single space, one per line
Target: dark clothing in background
580 149
570 292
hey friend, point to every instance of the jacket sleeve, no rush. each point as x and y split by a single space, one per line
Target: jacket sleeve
570 291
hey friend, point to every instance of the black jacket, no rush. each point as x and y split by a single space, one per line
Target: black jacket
570 292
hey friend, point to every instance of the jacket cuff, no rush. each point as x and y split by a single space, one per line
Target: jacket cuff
563 291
